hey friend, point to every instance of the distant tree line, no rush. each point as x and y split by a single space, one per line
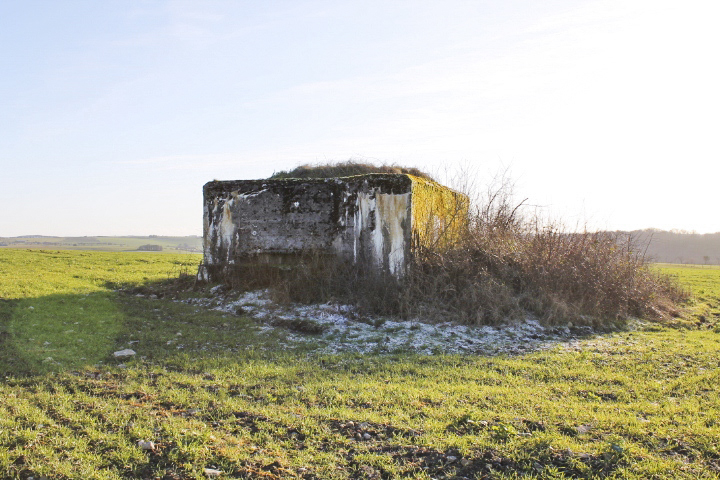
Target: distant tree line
150 248
678 246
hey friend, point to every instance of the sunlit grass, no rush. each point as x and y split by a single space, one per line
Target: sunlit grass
704 283
211 391
34 273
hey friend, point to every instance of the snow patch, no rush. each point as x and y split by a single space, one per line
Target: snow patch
346 330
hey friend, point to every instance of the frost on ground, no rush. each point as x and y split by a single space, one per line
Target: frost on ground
332 328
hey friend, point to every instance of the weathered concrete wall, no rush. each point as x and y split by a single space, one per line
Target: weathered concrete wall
365 218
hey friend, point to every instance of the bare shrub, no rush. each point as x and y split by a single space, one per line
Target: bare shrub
501 267
597 274
507 264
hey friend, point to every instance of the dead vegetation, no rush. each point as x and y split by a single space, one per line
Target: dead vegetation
503 266
346 169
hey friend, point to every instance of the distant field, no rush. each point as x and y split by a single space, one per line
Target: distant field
213 394
105 244
704 283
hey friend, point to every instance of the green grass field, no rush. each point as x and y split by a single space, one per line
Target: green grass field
215 395
704 282
105 244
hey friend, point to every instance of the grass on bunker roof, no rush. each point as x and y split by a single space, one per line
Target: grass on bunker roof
631 404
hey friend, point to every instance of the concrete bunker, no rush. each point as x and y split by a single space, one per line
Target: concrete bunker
374 219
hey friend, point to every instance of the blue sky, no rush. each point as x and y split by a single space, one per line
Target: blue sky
114 114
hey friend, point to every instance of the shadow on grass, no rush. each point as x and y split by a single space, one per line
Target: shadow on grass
57 332
11 360
69 332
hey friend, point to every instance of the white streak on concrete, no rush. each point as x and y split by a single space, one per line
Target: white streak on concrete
364 208
247 196
390 212
209 227
226 229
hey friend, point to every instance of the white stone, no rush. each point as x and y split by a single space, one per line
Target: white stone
124 353
146 445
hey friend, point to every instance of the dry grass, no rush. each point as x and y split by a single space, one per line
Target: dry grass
346 169
585 278
504 266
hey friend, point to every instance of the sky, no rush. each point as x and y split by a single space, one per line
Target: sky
113 114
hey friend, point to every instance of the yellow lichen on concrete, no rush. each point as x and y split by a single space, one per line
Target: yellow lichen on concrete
439 214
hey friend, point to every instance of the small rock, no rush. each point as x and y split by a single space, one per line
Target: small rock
450 458
583 429
465 462
146 445
211 472
124 353
366 436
